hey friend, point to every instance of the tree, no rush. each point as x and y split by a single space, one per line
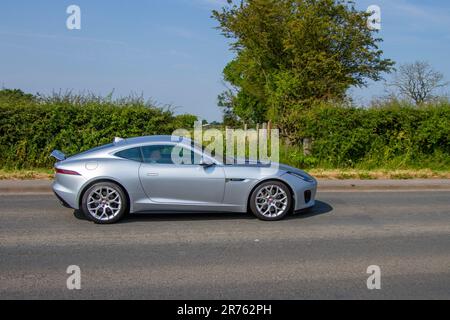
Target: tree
16 95
418 81
226 101
291 53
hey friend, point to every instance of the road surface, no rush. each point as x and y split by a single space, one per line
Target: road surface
319 255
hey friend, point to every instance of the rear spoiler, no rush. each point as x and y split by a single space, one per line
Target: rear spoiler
58 155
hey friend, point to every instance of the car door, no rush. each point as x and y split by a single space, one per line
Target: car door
179 184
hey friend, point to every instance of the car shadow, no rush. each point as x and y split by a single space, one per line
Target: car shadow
80 215
321 208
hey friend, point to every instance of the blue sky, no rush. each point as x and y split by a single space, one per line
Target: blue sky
169 50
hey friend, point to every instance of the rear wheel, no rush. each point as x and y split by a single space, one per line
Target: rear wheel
104 203
271 201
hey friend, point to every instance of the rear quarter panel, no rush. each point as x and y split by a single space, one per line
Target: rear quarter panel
121 171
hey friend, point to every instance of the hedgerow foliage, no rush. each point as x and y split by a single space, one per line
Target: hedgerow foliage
31 127
393 135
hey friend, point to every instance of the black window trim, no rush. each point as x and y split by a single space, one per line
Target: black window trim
161 144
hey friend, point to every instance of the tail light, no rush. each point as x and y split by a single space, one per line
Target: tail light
67 172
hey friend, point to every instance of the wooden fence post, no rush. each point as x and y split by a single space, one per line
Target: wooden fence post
307 146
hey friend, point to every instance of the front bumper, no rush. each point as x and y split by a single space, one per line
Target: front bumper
304 192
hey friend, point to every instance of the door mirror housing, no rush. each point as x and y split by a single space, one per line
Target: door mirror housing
206 163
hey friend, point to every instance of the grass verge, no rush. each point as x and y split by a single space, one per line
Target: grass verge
346 174
34 174
333 174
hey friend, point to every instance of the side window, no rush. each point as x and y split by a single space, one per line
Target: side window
133 154
161 154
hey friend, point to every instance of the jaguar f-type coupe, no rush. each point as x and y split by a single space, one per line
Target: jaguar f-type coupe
138 175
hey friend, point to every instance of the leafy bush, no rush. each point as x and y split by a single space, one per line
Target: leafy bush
30 131
390 136
16 96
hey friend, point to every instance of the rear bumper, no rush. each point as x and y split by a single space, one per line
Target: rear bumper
63 202
67 188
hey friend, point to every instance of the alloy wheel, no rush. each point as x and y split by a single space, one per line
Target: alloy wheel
104 203
272 201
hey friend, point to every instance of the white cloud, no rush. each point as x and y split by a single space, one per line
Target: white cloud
180 32
423 14
209 4
62 37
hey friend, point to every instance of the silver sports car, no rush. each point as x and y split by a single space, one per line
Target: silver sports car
138 176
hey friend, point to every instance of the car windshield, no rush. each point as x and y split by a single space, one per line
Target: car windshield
218 157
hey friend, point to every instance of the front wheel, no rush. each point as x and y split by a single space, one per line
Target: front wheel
104 203
271 201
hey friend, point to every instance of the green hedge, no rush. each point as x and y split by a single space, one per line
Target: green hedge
29 131
391 136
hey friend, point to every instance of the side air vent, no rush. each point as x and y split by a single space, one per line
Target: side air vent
308 196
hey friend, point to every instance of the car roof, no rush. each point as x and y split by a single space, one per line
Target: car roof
126 143
137 141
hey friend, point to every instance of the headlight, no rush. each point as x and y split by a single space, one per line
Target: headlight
302 176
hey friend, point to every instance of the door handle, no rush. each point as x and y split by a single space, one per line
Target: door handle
235 180
152 174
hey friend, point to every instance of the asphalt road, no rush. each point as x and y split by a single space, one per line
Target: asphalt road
320 255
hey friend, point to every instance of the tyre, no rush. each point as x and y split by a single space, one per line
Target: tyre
104 203
271 201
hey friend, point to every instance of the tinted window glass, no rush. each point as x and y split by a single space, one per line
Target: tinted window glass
161 154
130 154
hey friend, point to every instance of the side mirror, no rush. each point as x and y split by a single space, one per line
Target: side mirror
207 163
